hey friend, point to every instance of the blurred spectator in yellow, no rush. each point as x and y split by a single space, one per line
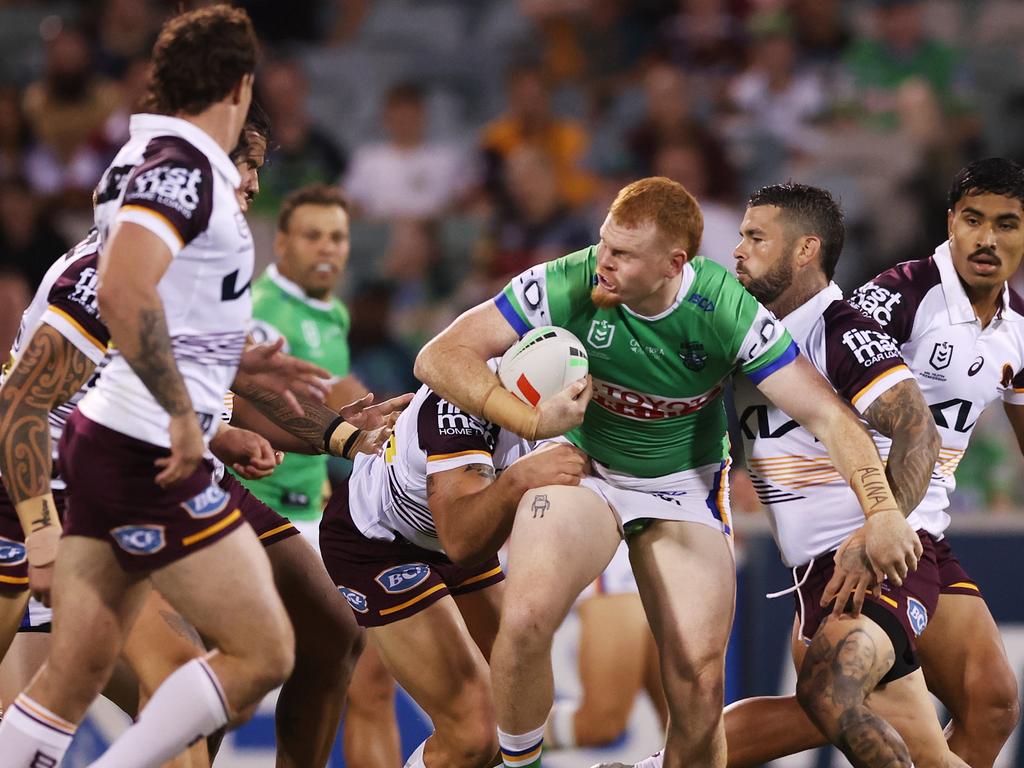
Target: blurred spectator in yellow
67 111
407 176
304 153
529 122
705 172
537 223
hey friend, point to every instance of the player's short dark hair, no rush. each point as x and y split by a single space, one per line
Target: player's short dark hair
991 176
311 194
199 57
808 211
257 123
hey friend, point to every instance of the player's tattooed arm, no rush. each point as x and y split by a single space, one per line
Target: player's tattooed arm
148 352
50 370
834 683
301 434
900 413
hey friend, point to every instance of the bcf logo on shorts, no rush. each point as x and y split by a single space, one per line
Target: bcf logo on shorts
918 616
356 599
11 552
402 578
140 539
208 503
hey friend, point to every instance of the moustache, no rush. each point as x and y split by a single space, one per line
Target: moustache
985 252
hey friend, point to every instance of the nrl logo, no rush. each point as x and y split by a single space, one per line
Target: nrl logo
600 335
693 355
942 355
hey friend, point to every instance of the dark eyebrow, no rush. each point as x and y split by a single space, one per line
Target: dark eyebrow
752 231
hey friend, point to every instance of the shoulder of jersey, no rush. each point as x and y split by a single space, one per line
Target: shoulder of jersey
1016 301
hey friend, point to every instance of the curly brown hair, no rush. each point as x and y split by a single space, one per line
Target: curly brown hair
311 194
199 57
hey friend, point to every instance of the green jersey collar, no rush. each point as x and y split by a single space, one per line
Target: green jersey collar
294 289
684 286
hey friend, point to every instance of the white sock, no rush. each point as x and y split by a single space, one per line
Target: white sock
188 706
561 730
416 758
31 736
521 749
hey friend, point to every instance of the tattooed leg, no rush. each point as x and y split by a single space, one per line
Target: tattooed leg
550 562
842 667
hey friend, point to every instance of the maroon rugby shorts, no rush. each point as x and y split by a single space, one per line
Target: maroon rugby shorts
113 496
387 581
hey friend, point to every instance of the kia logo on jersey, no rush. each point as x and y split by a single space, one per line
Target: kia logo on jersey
942 355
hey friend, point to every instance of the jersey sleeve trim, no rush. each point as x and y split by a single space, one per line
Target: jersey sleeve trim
511 312
882 383
155 222
445 462
444 456
1013 396
789 354
73 331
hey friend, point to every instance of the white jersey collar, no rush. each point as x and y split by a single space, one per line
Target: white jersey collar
689 275
163 125
800 321
294 289
957 302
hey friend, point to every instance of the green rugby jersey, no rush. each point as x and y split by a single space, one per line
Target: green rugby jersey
316 331
658 381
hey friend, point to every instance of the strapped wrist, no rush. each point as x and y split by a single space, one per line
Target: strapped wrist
40 514
340 438
508 411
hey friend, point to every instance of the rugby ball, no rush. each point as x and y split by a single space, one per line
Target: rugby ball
542 363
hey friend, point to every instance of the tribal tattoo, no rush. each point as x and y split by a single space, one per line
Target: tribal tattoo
49 372
902 414
309 427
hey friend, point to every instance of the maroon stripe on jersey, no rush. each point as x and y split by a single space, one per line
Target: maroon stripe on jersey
444 429
857 350
174 181
893 297
73 294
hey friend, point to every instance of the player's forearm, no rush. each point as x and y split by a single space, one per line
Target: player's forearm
247 416
456 373
478 524
304 434
855 457
138 328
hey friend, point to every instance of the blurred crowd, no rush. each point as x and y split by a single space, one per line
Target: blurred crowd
474 138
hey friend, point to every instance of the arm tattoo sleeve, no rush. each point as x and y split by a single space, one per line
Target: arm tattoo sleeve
902 414
149 355
48 373
309 427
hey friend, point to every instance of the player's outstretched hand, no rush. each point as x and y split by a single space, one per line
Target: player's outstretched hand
265 366
892 546
853 577
186 450
565 410
363 414
372 441
552 464
250 455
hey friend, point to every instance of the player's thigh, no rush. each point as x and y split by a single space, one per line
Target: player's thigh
226 591
12 611
433 657
23 659
613 637
546 547
94 602
687 580
323 621
961 651
481 610
159 642
907 706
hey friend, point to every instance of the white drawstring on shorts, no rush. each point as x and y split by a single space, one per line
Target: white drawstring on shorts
799 597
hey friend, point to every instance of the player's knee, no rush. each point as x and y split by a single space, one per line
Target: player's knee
604 724
1000 702
529 622
275 658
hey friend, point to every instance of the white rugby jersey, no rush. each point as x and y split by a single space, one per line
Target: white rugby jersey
388 493
810 507
173 179
960 366
66 300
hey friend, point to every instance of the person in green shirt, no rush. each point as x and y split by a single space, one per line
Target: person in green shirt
664 329
294 299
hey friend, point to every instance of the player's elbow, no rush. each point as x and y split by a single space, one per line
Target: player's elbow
424 364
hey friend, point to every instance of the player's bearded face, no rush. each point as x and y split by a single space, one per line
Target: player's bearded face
769 285
986 239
